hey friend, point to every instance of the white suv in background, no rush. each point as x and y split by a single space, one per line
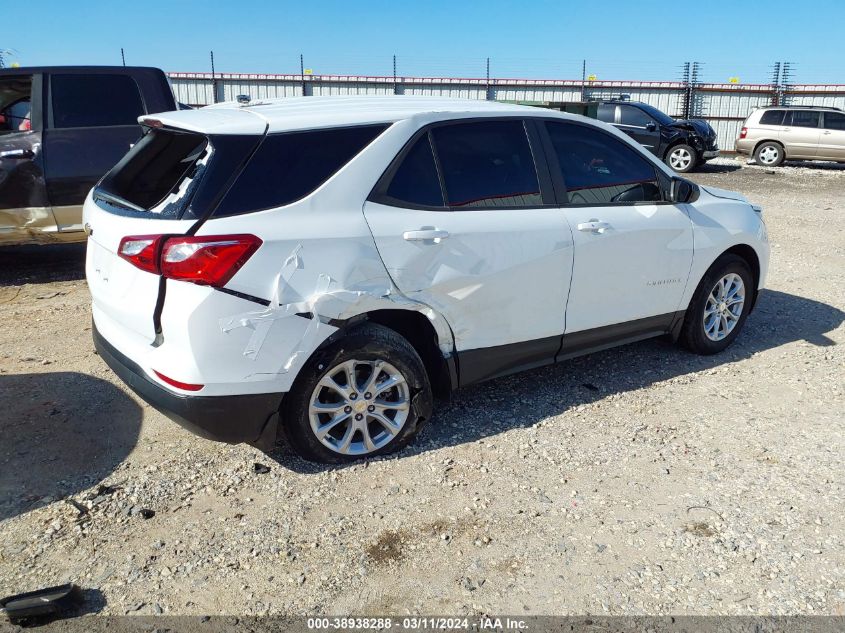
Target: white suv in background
321 268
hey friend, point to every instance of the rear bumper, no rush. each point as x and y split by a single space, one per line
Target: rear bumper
744 146
232 419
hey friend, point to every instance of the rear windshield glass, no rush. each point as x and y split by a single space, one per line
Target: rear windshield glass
153 169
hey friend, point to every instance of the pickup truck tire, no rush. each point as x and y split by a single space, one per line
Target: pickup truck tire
681 158
769 154
365 394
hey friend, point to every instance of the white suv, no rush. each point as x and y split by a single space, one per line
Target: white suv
321 268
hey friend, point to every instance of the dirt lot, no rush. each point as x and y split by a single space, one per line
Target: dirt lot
638 480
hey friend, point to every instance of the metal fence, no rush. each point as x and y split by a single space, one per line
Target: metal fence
724 106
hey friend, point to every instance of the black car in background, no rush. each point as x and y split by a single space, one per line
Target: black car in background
681 144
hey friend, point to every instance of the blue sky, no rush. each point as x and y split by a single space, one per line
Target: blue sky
638 39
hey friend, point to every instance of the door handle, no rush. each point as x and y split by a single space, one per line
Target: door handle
826 132
594 226
424 235
17 153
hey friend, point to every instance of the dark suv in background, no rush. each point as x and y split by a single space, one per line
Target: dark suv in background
681 144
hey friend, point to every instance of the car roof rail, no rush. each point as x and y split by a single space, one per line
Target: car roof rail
806 107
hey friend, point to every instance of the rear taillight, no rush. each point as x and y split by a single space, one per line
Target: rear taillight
141 251
743 132
208 260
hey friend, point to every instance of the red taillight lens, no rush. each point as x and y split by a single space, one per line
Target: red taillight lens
743 132
176 383
208 260
141 251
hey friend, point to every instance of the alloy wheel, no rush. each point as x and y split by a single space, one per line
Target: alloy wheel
724 307
680 159
359 406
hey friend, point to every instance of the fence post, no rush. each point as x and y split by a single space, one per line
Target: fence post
695 75
583 78
302 72
213 80
395 85
785 83
488 93
776 84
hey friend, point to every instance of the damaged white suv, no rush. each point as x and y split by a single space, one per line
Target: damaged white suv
320 268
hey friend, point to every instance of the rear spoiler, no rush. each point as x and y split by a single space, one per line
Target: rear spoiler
208 121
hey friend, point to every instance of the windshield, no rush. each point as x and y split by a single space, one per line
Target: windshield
661 117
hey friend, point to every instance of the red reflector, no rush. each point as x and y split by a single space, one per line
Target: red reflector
743 132
210 260
152 123
186 386
141 251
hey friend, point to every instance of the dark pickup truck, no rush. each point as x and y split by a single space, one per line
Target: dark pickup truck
61 129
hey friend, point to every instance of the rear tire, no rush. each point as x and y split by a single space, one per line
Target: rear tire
339 409
681 158
769 154
719 306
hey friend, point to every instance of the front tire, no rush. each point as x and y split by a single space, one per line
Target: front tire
365 394
719 306
681 158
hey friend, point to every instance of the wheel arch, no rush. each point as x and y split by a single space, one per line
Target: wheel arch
419 331
747 253
673 144
769 140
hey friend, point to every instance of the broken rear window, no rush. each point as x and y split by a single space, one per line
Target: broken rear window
153 169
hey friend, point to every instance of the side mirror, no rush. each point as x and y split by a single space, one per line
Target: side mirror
684 191
650 126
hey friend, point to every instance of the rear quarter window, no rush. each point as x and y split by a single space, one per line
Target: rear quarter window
772 117
287 167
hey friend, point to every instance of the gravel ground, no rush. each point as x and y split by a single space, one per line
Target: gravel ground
641 480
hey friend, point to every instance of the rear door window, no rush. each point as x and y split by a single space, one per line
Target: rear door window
600 169
772 117
94 100
487 164
416 182
289 166
804 118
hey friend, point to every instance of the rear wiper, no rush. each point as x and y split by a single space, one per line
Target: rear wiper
116 200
